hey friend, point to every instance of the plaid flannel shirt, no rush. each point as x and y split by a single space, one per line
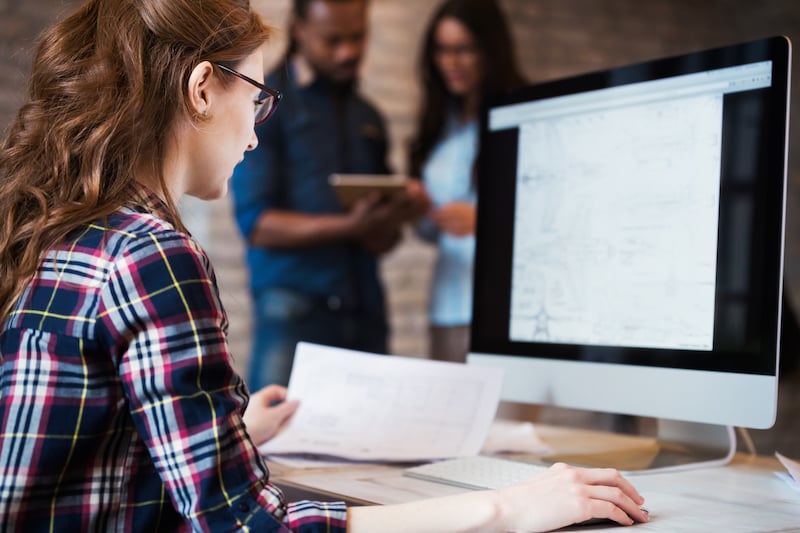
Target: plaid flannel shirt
119 406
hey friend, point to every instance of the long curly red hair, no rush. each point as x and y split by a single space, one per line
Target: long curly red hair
107 84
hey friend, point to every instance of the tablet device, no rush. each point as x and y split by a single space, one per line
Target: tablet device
352 187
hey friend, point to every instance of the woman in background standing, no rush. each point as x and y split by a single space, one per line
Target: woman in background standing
467 54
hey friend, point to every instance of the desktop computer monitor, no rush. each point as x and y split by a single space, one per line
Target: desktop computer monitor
630 231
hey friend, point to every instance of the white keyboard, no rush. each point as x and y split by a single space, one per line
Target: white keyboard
475 472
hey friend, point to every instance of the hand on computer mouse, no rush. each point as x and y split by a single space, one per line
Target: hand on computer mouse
603 521
558 497
565 495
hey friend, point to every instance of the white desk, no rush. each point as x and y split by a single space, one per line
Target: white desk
742 497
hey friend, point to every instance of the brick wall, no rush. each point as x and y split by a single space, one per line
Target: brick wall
554 38
20 24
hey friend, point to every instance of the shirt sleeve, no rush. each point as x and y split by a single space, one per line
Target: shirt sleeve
257 182
162 318
383 156
427 230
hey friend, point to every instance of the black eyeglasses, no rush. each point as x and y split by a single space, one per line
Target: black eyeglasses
267 101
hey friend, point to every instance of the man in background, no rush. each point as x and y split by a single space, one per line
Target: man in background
314 265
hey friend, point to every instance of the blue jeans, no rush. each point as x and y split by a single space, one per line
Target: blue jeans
282 318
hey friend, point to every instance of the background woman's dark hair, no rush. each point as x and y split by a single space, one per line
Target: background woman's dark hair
485 21
106 86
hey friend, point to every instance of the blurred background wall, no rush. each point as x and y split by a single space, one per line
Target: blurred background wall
554 38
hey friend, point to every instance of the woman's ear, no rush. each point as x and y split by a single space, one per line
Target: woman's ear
199 90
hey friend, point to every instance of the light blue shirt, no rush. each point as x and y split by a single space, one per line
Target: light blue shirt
447 175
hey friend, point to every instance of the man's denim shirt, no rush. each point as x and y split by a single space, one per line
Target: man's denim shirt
309 138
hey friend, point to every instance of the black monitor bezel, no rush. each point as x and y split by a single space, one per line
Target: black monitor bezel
494 243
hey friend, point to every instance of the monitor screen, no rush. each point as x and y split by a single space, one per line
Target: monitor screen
629 252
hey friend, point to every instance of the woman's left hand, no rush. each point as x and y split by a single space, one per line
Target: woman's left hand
263 420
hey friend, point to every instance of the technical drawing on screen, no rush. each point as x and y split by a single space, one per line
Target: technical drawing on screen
630 238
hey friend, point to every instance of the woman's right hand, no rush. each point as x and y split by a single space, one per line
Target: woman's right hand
565 495
456 218
558 497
